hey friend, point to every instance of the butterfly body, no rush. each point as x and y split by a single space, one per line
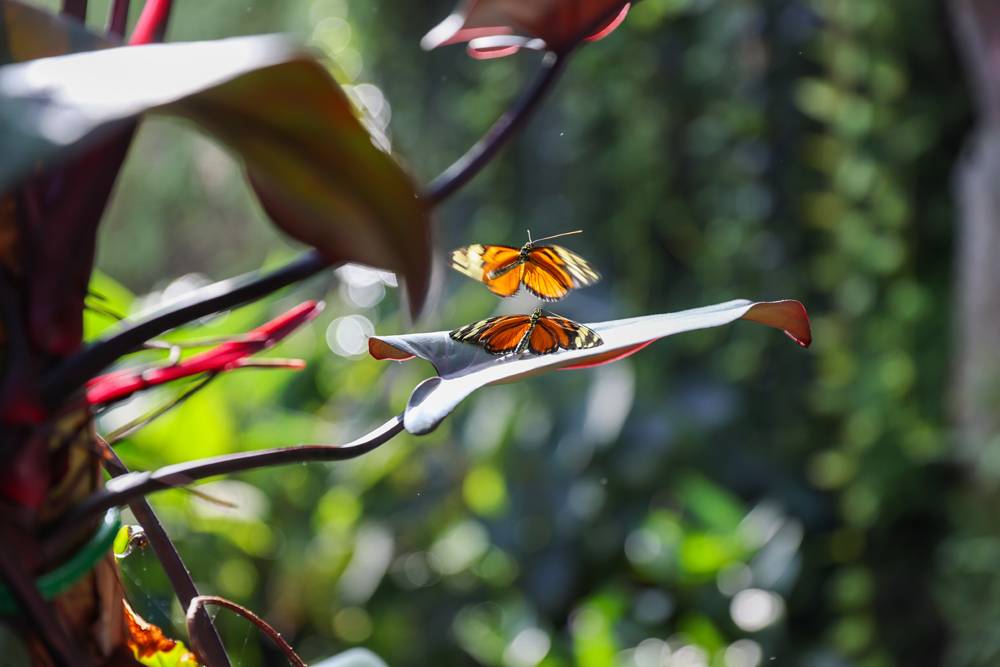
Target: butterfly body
539 333
547 271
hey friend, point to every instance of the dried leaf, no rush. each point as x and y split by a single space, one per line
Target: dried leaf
151 647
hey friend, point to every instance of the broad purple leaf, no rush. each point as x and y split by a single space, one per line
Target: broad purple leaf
462 368
315 167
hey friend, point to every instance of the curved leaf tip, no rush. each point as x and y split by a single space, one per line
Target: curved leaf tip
381 350
462 368
790 316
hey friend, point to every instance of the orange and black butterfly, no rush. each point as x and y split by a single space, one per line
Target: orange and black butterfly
539 332
547 271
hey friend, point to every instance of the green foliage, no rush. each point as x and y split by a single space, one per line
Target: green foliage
758 507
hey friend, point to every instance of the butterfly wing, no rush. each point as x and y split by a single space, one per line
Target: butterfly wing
478 261
498 335
555 332
545 338
552 271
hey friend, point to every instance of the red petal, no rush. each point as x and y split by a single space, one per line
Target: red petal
611 25
614 355
228 356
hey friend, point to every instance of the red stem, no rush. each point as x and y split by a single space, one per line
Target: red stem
152 24
201 601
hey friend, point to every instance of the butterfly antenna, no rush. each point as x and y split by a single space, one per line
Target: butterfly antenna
529 237
555 236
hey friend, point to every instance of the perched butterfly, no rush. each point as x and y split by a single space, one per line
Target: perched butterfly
539 332
547 271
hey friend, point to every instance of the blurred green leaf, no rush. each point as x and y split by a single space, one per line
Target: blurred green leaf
702 555
593 626
107 300
714 507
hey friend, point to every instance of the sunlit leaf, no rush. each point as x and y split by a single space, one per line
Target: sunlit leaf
462 368
495 28
315 167
151 647
107 300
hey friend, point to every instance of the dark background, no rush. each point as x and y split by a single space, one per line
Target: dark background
724 498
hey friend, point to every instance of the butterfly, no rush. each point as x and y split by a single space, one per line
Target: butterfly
540 332
547 271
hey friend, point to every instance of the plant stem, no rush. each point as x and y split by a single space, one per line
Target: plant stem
198 605
124 489
131 427
118 18
76 9
477 157
213 651
76 370
152 24
39 615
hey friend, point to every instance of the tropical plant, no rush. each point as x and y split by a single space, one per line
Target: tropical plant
70 102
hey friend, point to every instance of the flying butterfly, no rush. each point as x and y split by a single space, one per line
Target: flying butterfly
547 271
540 332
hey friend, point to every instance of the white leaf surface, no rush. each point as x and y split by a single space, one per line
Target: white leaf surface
462 368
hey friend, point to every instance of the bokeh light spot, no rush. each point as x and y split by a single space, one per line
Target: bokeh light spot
348 336
754 609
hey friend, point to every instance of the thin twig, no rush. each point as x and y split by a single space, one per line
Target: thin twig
123 490
477 157
131 427
208 341
213 652
76 370
39 615
118 18
198 605
105 311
